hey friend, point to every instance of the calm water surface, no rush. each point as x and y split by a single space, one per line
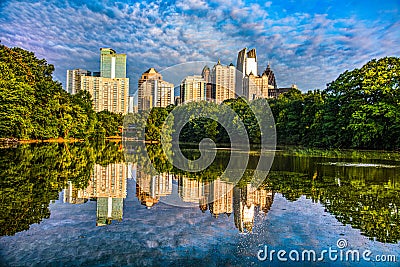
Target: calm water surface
103 205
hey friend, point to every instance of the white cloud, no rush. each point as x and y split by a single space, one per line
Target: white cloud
307 49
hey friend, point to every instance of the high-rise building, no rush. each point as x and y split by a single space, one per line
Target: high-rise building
153 91
271 77
255 86
133 108
109 209
223 82
206 74
110 90
74 195
108 181
112 65
110 94
246 64
193 89
74 80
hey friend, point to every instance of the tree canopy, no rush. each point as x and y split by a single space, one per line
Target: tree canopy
34 106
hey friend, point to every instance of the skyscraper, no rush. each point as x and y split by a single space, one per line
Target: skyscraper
149 188
74 80
246 64
112 65
153 91
255 86
223 82
108 93
206 74
193 89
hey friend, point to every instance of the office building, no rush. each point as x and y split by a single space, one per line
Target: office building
220 197
278 91
191 190
112 65
248 83
109 88
73 195
255 86
109 209
110 94
246 64
149 188
153 91
133 108
246 202
193 89
74 80
206 75
223 82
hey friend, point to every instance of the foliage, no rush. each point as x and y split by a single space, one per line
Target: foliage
33 175
33 106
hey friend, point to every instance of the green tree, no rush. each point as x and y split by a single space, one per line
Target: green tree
365 103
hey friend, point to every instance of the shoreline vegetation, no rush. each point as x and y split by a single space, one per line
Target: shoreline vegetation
359 110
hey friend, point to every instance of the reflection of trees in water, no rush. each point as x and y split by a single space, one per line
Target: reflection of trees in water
366 198
33 175
365 204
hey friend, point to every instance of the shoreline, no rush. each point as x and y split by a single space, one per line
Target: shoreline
12 141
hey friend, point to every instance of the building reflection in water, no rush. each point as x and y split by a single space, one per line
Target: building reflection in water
149 188
219 197
246 202
107 185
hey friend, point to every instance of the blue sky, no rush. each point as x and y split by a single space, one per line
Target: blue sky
307 42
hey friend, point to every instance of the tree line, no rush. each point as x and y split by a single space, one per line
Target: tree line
34 106
360 109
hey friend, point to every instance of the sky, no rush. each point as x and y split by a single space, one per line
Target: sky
307 42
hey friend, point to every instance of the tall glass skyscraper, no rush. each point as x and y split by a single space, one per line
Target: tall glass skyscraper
112 65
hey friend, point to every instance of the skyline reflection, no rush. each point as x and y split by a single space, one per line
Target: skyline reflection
108 187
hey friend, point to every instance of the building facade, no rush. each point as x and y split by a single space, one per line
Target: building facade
74 80
255 86
206 75
193 89
110 94
246 64
278 91
112 65
153 91
223 82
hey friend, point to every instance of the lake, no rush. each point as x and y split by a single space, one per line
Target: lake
113 204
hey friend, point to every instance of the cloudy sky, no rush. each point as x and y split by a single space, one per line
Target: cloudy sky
307 42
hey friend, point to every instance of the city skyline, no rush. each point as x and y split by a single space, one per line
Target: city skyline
307 43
